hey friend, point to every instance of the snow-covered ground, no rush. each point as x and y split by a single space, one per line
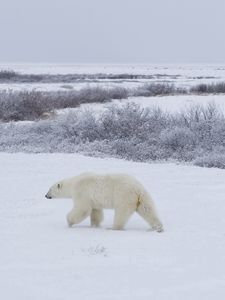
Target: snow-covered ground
181 75
47 87
178 103
41 258
187 70
171 104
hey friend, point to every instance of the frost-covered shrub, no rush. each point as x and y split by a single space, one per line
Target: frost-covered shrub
206 122
178 143
123 121
158 89
98 94
100 148
70 78
126 131
7 74
197 114
132 149
81 126
33 105
213 88
131 120
177 138
199 89
16 106
211 160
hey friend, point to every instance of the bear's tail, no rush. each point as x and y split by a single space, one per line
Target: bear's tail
146 209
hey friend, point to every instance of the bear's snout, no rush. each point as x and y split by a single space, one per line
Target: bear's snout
48 197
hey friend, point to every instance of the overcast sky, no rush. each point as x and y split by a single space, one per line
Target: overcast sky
112 31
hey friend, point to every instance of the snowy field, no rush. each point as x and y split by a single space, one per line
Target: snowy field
181 75
170 104
41 258
186 70
50 87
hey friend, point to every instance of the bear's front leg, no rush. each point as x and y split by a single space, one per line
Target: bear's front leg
96 217
69 218
75 216
121 217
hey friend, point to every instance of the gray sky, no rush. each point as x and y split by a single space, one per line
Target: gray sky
112 31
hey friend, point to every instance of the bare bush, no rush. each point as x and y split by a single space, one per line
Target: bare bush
19 106
12 76
16 106
177 138
7 74
31 105
211 160
129 131
160 89
213 88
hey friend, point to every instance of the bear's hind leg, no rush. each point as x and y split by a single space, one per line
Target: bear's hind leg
96 217
149 215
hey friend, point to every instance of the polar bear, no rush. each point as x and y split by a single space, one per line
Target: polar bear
91 193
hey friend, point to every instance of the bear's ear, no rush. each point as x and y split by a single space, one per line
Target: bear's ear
59 185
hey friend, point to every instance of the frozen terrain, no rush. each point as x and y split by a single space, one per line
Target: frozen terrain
182 75
187 70
41 258
170 104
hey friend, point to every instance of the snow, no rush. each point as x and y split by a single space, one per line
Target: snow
179 102
171 104
182 75
48 87
186 70
41 258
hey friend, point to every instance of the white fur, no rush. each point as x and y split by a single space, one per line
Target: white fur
91 193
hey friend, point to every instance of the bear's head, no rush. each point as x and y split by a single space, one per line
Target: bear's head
58 190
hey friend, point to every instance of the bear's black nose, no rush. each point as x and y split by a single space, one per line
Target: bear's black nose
48 197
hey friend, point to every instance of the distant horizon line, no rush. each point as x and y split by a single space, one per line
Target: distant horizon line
108 63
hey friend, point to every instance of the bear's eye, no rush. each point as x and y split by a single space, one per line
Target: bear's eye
58 186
